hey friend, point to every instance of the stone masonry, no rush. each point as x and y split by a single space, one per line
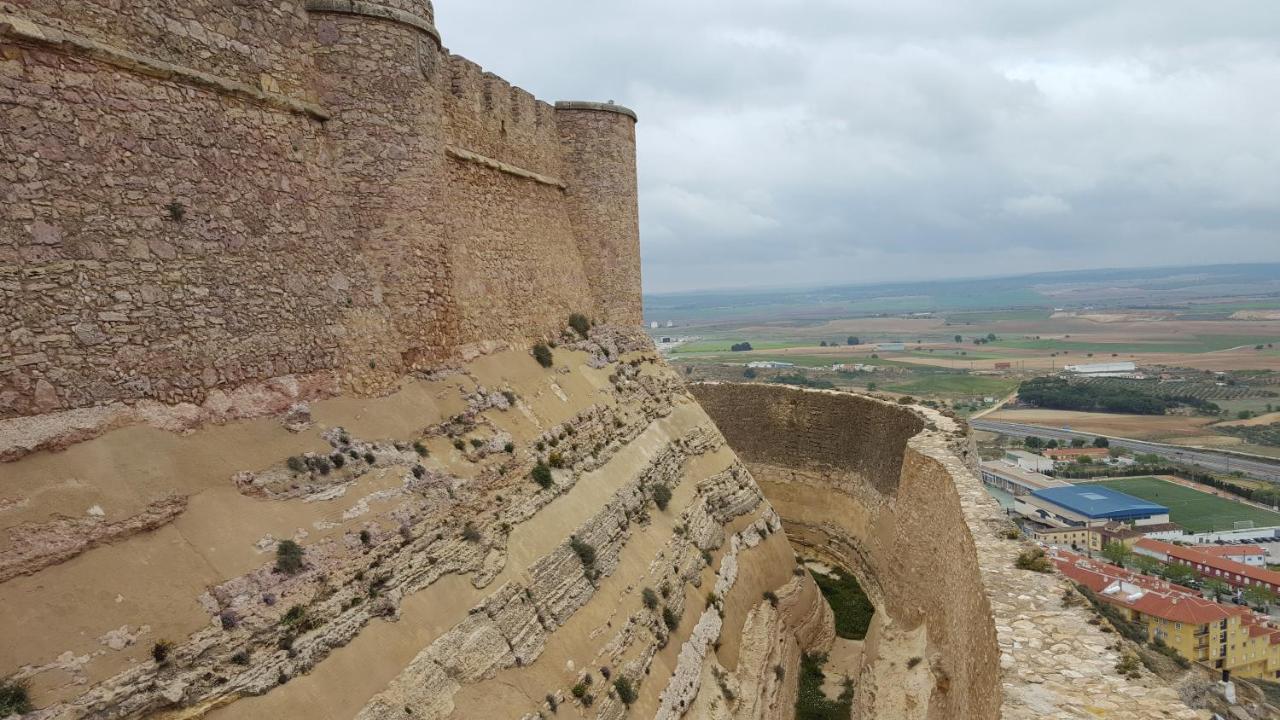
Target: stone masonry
201 195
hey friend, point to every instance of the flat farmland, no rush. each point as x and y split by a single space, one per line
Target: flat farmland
1194 510
1138 427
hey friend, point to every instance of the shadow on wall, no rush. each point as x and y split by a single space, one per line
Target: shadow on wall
860 484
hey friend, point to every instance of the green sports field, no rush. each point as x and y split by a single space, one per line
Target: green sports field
1192 509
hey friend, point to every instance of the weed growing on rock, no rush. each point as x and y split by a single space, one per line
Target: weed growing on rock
585 551
556 460
458 444
552 702
477 443
670 618
626 693
294 616
509 447
241 657
297 464
580 324
772 597
160 651
1034 560
419 448
338 460
289 557
541 474
779 672
369 458
661 496
14 698
649 598
470 533
542 354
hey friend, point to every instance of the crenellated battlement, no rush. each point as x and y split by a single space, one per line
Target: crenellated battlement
212 194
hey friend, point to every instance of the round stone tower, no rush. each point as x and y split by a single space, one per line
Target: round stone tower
599 141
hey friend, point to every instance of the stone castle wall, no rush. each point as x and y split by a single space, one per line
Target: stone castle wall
852 491
199 195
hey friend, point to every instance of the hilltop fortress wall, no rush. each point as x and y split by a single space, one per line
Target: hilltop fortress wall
202 195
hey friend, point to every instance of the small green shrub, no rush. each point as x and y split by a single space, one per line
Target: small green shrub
580 690
542 354
160 651
556 460
541 474
294 615
1034 560
626 693
14 698
289 556
580 324
369 458
477 443
772 597
661 496
297 464
509 448
338 460
419 448
470 533
585 551
241 657
458 444
670 618
649 598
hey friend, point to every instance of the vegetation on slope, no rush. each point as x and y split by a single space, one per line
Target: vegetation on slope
1256 434
1058 394
811 703
848 602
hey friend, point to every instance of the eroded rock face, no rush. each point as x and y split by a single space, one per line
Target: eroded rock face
628 566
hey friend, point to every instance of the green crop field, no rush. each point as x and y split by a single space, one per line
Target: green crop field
1192 509
956 385
1201 344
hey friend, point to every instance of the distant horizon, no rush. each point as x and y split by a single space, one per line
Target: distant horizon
957 278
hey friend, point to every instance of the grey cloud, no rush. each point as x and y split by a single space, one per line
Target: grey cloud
788 142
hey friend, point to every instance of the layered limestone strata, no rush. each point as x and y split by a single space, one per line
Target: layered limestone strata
888 493
438 579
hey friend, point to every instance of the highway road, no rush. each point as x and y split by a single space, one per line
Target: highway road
1218 462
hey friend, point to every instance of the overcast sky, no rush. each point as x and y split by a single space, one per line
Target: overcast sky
833 141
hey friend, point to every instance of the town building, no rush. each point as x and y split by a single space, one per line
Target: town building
1085 505
1253 555
1236 574
1029 461
1223 637
769 364
1012 479
1101 369
1074 454
1094 537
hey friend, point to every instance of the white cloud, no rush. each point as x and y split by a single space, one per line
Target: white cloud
1036 206
857 140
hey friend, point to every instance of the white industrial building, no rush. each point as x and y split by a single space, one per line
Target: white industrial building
1029 461
1100 369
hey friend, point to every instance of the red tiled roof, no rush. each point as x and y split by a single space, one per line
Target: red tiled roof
1156 598
1231 550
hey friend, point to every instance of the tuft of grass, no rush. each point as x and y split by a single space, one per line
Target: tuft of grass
160 651
541 474
289 557
542 354
1033 560
670 618
649 598
14 698
419 448
585 551
580 324
470 533
661 496
626 693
